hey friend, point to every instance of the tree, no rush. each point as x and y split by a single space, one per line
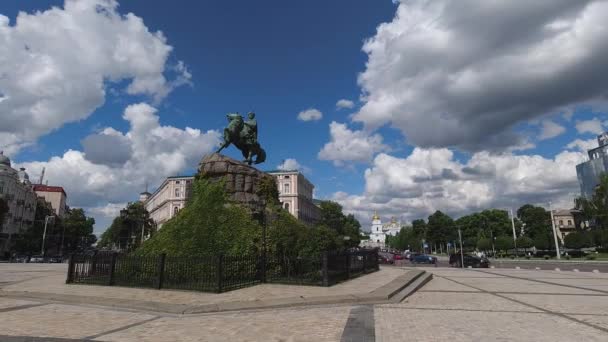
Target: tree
29 240
503 243
484 244
419 227
577 240
537 222
524 242
595 209
126 229
440 228
77 230
346 226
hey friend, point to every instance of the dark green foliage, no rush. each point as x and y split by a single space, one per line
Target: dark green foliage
503 243
419 227
524 242
596 208
207 225
78 230
126 229
484 244
440 228
346 227
537 222
267 190
406 239
488 223
543 242
577 240
469 243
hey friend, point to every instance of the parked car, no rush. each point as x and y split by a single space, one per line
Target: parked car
423 259
397 256
469 260
386 258
37 258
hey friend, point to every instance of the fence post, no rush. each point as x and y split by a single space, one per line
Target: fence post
161 270
324 270
376 264
93 269
71 265
348 255
220 259
112 268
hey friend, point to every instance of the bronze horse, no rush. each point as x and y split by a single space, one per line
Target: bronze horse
243 135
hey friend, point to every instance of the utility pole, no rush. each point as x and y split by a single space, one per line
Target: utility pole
554 233
513 226
46 221
461 252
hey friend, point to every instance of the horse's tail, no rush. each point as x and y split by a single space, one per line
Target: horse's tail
261 156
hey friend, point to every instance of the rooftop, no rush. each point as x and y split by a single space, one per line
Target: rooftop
48 188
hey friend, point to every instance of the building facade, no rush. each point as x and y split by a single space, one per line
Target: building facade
295 194
566 221
379 232
168 199
588 173
16 190
55 195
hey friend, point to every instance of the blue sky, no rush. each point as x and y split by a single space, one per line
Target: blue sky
422 104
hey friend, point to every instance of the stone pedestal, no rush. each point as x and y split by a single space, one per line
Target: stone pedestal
242 181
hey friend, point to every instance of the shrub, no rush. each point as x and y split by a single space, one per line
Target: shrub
590 257
547 257
512 256
527 257
568 257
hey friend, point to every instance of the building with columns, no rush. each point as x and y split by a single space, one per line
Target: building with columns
16 190
170 197
295 194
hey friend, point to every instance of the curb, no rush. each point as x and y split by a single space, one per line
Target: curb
400 287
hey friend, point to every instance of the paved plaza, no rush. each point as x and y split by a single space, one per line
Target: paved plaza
457 305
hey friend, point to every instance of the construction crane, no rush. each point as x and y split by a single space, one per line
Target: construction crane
42 176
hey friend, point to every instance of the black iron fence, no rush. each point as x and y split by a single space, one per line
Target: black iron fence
218 273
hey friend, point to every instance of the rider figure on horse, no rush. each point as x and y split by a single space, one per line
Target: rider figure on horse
244 135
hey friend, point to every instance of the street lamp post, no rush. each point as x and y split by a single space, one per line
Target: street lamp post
461 252
46 221
554 233
514 235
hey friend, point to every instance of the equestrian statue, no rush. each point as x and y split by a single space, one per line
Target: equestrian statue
244 135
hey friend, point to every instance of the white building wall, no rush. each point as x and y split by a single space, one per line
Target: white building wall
169 199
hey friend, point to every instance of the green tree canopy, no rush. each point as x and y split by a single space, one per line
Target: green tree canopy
595 209
504 243
577 240
419 227
345 226
78 230
484 244
126 229
524 242
440 228
537 222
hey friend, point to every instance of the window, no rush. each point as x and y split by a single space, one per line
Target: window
569 222
177 192
175 211
287 206
286 177
176 182
286 188
561 222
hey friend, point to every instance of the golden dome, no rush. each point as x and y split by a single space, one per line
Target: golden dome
376 217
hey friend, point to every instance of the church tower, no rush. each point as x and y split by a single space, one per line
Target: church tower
377 234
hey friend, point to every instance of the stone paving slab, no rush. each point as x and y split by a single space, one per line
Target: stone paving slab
566 303
280 325
443 284
66 321
510 285
462 301
6 303
446 325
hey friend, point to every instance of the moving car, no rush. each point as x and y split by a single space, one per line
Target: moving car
386 258
423 259
37 258
469 260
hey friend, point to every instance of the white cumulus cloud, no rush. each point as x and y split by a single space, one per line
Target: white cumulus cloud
98 183
462 73
344 103
310 115
55 64
350 146
593 126
432 179
550 129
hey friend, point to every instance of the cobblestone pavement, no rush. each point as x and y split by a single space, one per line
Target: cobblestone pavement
457 305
